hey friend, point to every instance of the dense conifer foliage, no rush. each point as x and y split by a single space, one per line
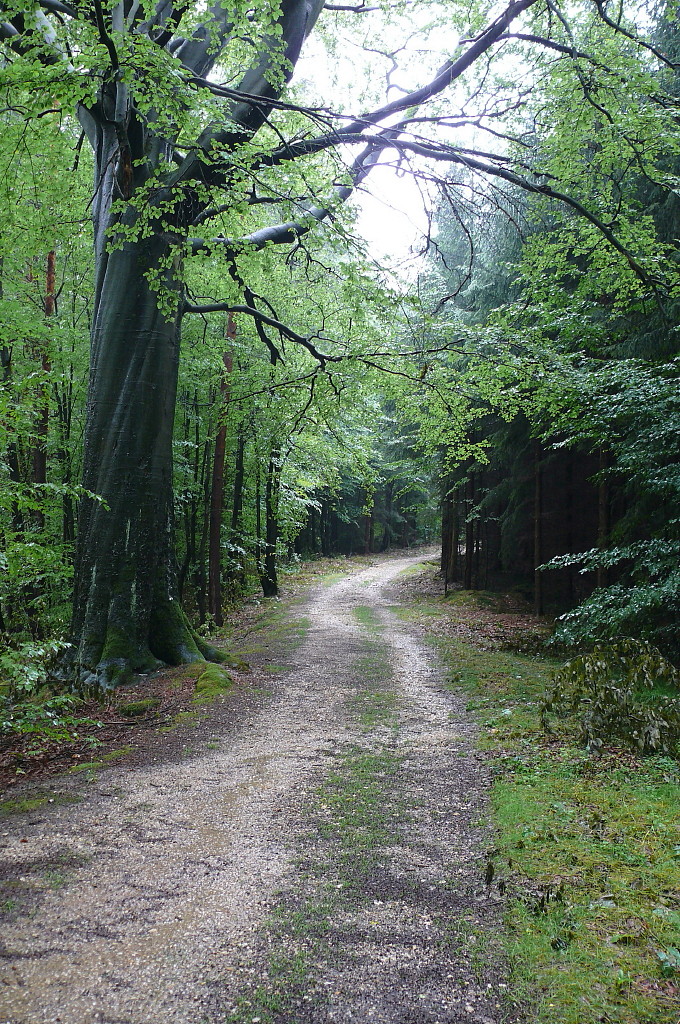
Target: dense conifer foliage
573 492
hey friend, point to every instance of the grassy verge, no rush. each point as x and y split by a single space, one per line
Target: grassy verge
588 848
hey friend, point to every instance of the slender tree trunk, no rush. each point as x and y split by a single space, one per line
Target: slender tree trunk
239 480
447 524
478 554
189 505
312 530
217 494
603 515
200 576
268 576
12 454
452 567
538 530
63 397
449 535
237 503
39 454
12 449
368 520
389 500
259 540
469 532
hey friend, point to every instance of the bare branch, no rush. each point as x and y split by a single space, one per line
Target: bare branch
617 26
104 36
450 71
244 117
290 231
256 314
57 7
551 44
362 8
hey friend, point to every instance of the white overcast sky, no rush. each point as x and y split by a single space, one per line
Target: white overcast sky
392 217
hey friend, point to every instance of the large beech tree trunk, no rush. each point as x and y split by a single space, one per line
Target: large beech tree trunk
127 616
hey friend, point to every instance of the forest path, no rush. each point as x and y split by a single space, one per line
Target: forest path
320 862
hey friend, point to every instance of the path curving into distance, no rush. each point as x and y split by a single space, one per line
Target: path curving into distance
320 860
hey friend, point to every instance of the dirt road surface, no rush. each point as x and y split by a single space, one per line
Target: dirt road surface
318 857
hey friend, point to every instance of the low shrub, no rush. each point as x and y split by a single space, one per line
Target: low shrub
622 692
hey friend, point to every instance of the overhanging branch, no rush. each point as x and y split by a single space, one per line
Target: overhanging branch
290 231
270 321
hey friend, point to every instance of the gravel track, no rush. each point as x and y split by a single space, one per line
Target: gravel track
154 889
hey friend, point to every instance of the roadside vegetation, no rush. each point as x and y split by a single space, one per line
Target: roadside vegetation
587 849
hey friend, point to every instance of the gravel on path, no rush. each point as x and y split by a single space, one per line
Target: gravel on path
148 898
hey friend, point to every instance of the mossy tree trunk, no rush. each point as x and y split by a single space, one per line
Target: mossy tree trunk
127 616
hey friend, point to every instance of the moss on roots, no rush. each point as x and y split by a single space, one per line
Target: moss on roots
211 683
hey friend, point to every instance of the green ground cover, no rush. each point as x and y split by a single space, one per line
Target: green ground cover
587 846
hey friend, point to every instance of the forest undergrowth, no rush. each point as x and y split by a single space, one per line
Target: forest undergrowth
587 848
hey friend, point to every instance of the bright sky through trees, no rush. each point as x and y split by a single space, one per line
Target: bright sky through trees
392 203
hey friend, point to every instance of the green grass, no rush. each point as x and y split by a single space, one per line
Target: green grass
288 976
55 879
24 805
374 704
612 851
189 718
351 817
413 570
375 708
101 762
356 815
333 577
368 617
588 848
275 628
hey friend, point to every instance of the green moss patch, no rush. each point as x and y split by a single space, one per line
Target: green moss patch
368 617
24 805
138 708
101 762
182 718
213 682
414 570
114 755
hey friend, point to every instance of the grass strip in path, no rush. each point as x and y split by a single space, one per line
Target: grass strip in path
386 917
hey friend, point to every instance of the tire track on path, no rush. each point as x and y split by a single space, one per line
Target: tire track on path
171 871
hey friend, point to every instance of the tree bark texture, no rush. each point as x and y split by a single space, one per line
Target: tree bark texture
469 531
126 614
538 530
268 575
43 420
603 514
